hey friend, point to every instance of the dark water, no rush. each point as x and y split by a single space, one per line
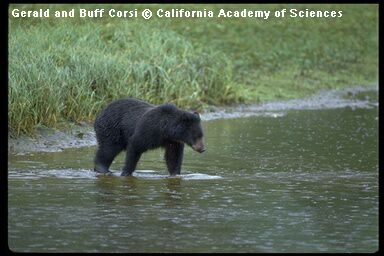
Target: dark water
297 181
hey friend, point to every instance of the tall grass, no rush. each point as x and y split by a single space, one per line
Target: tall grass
68 69
69 73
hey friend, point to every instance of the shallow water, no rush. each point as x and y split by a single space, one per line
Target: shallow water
296 180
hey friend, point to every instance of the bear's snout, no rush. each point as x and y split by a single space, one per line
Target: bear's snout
199 145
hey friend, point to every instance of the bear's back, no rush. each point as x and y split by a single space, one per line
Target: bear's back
116 123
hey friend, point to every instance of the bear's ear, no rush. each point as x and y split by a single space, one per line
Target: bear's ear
196 114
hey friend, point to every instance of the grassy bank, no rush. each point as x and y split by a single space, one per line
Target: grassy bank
68 69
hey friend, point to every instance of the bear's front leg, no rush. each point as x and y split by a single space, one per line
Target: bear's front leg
174 157
131 159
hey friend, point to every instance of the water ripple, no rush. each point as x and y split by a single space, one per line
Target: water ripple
89 174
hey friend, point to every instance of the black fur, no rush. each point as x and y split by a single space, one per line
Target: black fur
136 126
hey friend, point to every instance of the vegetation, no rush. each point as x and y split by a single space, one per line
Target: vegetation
67 69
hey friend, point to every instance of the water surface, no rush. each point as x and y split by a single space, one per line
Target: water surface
296 180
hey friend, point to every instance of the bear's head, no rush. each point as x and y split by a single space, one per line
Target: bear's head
196 139
188 129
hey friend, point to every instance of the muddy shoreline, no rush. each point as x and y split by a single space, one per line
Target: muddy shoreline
49 140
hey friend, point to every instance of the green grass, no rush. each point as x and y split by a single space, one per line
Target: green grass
64 70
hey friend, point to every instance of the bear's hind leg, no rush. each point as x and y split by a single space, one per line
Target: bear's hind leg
104 157
174 157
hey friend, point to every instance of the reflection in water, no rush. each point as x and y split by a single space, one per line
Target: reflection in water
115 186
306 181
173 194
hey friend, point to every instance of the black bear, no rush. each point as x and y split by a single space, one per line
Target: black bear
137 126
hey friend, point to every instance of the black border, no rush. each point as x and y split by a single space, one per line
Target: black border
4 248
